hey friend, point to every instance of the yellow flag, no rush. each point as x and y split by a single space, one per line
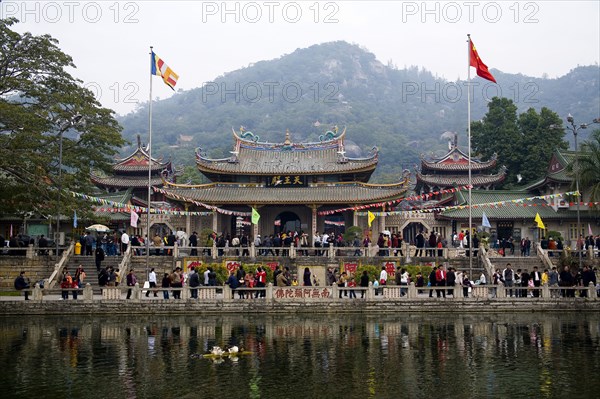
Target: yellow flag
371 217
539 222
255 216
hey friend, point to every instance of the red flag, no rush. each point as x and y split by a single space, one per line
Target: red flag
482 69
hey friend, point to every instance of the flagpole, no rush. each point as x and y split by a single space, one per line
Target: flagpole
149 170
469 151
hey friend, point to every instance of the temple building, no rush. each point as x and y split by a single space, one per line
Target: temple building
288 183
452 170
128 184
513 212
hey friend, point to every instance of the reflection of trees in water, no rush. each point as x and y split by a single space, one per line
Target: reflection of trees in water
373 355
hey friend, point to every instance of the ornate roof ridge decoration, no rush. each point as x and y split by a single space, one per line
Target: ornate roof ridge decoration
251 140
453 156
140 159
252 157
401 184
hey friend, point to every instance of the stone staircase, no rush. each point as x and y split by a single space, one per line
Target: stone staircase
89 265
517 262
36 268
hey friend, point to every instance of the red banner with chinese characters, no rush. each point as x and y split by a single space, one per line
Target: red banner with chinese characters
272 265
390 268
303 293
188 264
350 268
232 265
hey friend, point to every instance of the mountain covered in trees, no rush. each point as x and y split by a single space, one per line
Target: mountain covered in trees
403 111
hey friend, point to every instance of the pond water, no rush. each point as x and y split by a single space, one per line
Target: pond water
294 356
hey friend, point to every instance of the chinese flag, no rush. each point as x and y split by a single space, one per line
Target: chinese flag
482 69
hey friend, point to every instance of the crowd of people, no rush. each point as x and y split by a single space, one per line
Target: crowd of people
527 283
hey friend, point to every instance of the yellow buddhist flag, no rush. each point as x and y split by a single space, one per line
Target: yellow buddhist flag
255 216
371 217
539 222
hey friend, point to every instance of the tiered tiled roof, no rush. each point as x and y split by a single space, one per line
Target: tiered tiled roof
525 210
321 193
557 169
452 169
456 161
251 157
123 197
132 171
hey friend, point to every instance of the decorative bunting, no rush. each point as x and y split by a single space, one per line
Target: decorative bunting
381 204
515 202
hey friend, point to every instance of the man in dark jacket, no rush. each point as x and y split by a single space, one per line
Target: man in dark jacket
194 244
194 282
450 280
22 283
232 282
131 281
432 280
588 276
420 243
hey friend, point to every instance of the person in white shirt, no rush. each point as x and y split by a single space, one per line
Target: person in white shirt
382 278
152 281
124 242
317 243
482 279
206 276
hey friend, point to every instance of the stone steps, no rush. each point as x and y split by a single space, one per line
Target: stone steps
36 268
518 262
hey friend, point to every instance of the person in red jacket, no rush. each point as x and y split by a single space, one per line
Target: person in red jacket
440 279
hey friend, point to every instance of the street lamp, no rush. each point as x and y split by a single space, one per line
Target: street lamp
574 128
66 125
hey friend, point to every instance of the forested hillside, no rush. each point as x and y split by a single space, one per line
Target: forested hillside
404 111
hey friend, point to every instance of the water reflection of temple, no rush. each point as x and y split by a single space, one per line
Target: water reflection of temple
382 351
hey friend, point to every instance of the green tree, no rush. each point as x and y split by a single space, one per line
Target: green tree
589 166
539 138
523 143
40 102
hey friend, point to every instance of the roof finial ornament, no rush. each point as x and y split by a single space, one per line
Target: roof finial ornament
139 141
287 137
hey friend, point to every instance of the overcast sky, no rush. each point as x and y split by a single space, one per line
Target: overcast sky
109 40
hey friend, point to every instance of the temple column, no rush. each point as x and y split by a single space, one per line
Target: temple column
382 220
313 222
354 217
188 225
215 220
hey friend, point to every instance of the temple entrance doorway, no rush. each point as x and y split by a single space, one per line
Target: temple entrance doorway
161 229
410 232
335 224
287 221
240 226
505 230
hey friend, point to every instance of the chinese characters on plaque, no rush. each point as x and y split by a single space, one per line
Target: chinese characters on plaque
302 293
286 181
